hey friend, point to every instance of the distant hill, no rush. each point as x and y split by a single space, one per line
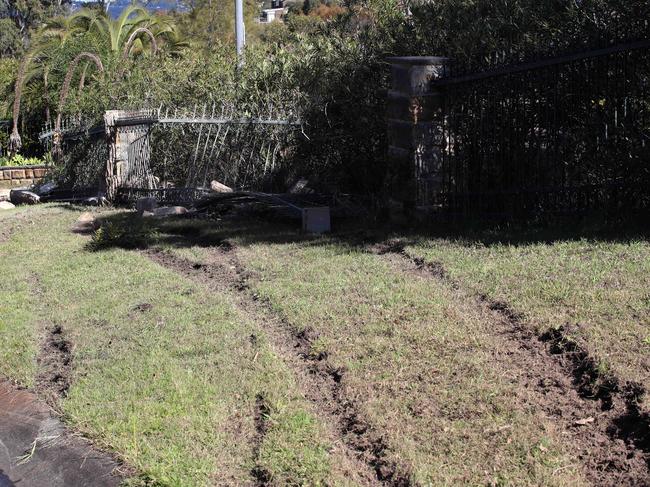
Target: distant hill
116 6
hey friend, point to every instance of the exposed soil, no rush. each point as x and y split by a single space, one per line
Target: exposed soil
12 223
262 411
600 413
54 365
362 449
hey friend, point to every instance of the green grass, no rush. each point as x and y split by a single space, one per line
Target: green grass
172 389
598 290
420 364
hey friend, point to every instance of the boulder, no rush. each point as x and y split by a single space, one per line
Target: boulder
146 214
169 211
5 205
23 197
4 194
220 188
95 201
146 204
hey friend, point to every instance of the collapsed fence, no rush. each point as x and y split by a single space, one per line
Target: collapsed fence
567 134
174 153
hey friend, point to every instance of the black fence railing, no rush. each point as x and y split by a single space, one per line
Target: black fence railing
563 134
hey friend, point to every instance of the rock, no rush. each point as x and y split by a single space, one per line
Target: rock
23 197
169 211
5 205
146 214
4 194
95 201
146 204
316 220
584 422
86 217
220 188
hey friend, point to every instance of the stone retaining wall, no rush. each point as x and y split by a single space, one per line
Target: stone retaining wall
21 176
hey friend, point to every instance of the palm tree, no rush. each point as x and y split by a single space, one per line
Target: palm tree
135 32
64 93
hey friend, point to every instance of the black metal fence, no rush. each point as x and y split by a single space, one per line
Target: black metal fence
565 134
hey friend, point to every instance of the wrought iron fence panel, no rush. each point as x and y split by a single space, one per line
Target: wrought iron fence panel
567 135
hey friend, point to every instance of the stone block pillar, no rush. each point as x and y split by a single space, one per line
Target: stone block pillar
122 129
415 119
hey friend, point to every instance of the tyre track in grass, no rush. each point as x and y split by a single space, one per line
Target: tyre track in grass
600 414
54 373
363 450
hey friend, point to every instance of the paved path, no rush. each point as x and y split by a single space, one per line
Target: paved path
36 450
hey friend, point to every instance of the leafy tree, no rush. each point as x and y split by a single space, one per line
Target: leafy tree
27 15
10 40
210 21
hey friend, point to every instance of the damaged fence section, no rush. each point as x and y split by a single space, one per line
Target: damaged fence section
146 150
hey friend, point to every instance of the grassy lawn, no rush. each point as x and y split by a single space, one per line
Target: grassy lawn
168 375
598 290
170 386
421 364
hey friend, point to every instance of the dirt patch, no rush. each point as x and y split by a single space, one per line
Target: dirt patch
142 307
364 455
6 230
262 411
5 233
13 223
36 449
599 413
54 365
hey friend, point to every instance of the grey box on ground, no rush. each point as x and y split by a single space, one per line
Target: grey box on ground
316 220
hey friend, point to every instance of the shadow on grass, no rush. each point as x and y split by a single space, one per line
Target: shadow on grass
249 226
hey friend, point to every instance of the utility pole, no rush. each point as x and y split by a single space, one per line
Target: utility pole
240 33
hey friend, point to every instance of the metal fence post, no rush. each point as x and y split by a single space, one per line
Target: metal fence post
415 130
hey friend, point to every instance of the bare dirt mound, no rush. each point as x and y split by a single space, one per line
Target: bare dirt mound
598 413
36 450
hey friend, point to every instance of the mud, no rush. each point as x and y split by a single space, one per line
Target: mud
262 411
54 373
599 413
365 453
